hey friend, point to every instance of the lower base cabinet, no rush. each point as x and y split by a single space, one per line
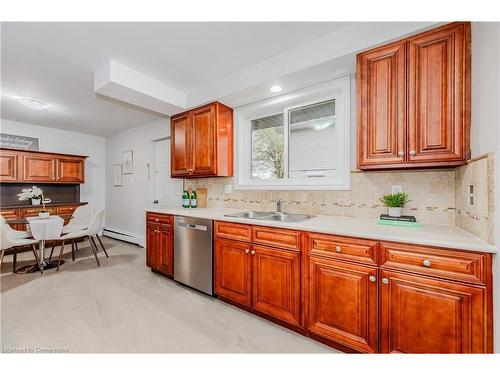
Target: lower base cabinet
264 278
232 271
343 301
276 283
160 248
423 315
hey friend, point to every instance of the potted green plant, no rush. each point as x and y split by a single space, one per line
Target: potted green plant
395 203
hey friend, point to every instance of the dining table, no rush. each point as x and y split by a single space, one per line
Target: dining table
42 229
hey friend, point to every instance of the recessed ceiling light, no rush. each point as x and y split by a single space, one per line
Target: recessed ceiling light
33 103
276 88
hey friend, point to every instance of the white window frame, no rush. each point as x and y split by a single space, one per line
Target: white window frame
338 90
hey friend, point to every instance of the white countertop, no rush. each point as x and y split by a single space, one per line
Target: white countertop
428 234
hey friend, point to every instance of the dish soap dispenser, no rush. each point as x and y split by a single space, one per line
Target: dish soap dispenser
194 201
185 199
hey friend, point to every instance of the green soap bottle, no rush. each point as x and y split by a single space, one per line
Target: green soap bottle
194 201
185 199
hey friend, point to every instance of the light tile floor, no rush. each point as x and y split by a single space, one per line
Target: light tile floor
122 307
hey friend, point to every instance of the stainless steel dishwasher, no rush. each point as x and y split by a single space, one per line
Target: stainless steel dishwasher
193 254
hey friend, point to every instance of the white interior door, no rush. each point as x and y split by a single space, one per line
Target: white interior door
168 191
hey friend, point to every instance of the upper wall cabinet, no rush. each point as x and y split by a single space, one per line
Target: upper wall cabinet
413 100
201 142
33 166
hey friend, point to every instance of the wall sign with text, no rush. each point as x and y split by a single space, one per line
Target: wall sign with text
19 142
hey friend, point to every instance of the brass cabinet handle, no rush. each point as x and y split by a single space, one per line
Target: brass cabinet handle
385 280
427 263
338 249
401 153
157 220
372 278
413 153
247 251
252 252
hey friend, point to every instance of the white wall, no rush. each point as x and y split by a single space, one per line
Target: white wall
485 125
67 142
125 204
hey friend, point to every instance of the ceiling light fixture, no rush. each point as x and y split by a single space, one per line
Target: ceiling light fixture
32 103
276 88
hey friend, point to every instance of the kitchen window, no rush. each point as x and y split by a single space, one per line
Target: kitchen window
295 141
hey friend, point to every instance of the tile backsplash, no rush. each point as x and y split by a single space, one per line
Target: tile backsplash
437 196
476 215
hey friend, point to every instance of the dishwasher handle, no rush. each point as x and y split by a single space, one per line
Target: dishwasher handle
192 226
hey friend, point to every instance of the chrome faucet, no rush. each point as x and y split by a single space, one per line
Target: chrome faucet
278 206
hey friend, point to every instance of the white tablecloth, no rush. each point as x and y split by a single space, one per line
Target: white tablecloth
46 229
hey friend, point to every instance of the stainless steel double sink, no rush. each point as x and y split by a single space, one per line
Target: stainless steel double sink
272 216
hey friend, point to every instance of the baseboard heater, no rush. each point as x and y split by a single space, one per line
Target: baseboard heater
123 236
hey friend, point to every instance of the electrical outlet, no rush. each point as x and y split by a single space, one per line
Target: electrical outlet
471 195
396 189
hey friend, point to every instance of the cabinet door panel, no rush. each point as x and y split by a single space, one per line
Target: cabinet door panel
381 83
151 245
343 303
180 144
203 122
70 170
422 315
276 283
233 271
39 168
9 167
165 256
437 109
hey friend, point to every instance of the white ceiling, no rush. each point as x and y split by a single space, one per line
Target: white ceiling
55 62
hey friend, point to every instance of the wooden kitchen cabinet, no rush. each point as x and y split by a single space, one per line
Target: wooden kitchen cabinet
414 101
41 167
424 315
343 303
9 166
232 271
70 170
276 283
159 246
202 142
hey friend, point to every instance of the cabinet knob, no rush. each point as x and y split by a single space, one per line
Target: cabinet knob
385 280
338 249
247 251
157 220
401 153
427 263
252 252
372 278
413 153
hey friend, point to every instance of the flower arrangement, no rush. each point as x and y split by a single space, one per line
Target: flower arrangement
30 193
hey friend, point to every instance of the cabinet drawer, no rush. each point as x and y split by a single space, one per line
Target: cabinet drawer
287 239
233 231
27 212
352 249
449 264
159 218
9 214
66 210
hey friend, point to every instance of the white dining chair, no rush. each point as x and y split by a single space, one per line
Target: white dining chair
92 229
98 234
80 220
13 233
8 242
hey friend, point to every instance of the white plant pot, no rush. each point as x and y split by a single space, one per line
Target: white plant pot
36 202
395 211
43 215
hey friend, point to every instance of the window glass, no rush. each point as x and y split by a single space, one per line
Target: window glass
312 141
268 148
